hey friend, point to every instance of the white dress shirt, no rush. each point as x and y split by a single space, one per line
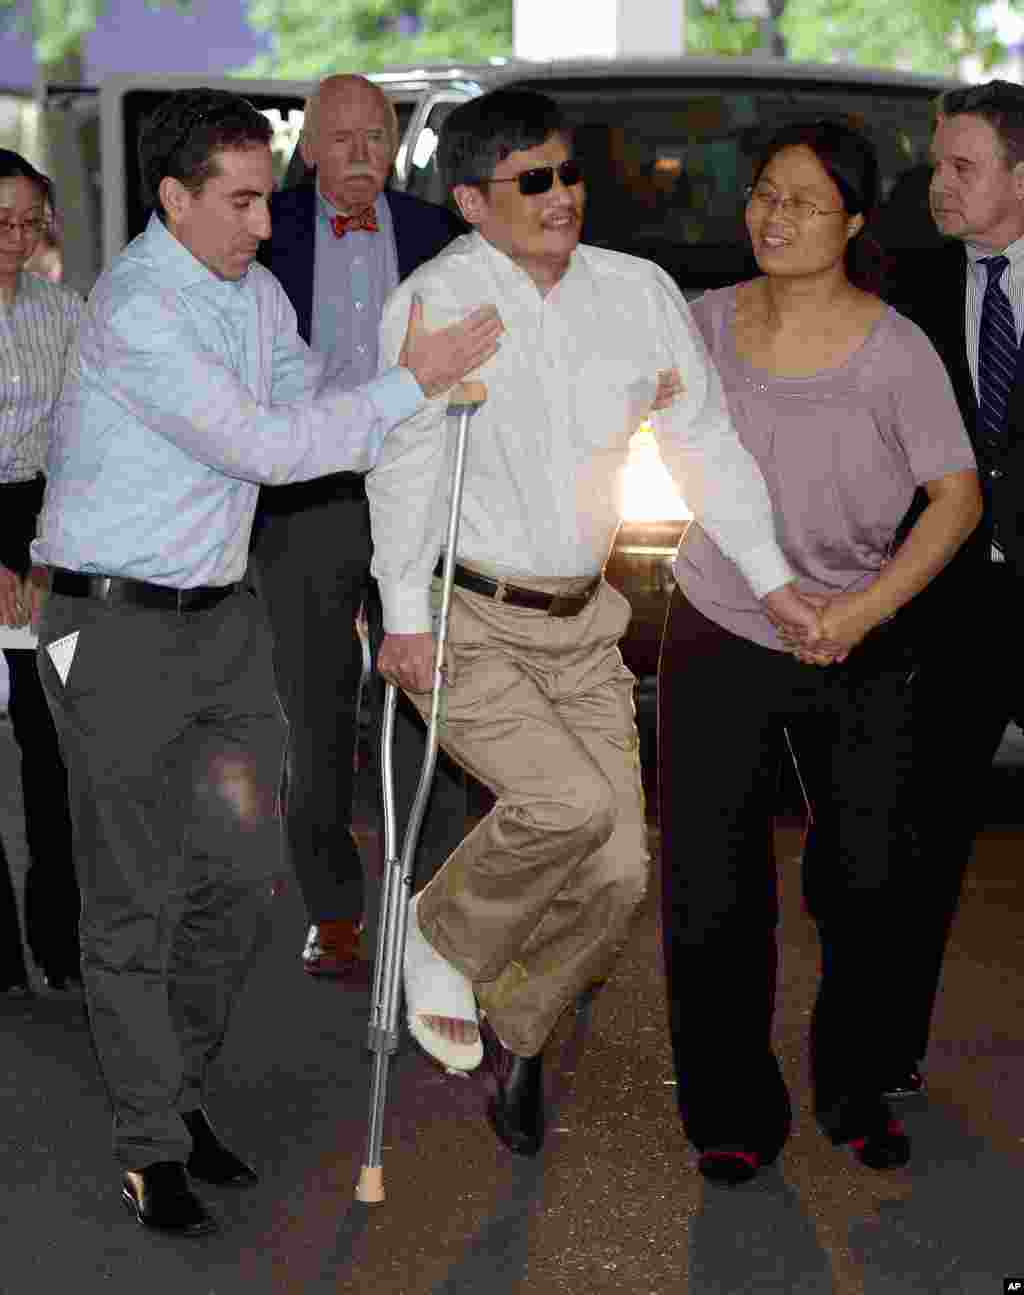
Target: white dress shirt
575 375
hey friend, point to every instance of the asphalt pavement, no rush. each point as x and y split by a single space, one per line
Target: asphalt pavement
613 1204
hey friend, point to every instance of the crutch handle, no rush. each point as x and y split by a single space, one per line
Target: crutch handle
468 393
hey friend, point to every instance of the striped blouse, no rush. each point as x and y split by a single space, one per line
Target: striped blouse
36 332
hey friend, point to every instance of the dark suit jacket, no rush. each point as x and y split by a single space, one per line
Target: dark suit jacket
421 231
931 288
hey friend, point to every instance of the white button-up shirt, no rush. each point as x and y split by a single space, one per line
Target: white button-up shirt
574 377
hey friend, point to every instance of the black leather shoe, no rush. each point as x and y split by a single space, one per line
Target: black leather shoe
159 1196
516 1112
211 1161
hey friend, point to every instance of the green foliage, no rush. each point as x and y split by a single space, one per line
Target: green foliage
58 26
928 36
313 38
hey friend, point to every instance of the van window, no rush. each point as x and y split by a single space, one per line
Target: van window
666 160
424 179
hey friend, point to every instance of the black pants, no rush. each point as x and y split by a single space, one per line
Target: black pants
311 564
968 689
51 892
723 702
174 740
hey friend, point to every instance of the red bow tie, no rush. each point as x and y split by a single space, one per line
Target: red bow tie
364 220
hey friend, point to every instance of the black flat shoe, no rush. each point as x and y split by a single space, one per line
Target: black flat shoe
516 1112
160 1198
871 1131
211 1161
729 1166
908 1082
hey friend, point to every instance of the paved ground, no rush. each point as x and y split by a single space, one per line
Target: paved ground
613 1204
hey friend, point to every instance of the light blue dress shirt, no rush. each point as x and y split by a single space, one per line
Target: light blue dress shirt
186 393
352 278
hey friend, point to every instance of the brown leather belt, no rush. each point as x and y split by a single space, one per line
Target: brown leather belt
517 596
138 593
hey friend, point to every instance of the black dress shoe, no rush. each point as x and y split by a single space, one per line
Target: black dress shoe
908 1082
516 1112
211 1161
159 1196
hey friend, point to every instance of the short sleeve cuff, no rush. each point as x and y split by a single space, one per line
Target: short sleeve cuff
765 569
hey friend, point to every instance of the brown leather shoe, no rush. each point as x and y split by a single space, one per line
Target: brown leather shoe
332 948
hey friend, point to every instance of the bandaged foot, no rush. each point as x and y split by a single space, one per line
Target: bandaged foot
440 1005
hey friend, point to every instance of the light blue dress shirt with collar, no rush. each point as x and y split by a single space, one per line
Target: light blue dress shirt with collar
187 392
352 278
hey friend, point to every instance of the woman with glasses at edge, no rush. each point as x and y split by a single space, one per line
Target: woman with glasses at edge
38 322
847 409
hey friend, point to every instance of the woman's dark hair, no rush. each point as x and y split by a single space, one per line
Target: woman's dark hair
851 163
13 166
181 137
482 132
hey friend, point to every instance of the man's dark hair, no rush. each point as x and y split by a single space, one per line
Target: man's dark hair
13 166
181 137
1001 104
483 132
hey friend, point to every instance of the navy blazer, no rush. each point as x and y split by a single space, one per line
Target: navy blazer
421 231
931 287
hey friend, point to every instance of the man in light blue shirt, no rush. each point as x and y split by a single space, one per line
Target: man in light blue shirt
189 388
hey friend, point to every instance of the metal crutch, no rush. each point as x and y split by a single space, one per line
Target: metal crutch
397 882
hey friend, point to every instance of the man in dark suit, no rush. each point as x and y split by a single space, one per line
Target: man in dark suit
969 297
340 244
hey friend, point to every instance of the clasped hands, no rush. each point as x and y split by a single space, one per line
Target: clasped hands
818 629
21 600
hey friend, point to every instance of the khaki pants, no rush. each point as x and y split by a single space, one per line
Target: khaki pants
534 903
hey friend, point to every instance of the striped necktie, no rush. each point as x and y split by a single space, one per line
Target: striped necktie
997 354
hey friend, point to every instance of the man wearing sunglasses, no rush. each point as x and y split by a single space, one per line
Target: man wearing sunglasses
530 909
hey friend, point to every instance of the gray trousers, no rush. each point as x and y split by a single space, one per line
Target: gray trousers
173 739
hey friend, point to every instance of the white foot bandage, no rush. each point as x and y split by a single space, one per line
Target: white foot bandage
433 987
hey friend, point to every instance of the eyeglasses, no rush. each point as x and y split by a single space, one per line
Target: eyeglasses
763 195
539 179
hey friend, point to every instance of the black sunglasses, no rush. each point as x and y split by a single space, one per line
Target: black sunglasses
539 179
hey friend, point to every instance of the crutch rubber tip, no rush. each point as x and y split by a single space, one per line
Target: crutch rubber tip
370 1187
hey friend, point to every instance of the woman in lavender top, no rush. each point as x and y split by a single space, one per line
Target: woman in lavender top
38 322
848 410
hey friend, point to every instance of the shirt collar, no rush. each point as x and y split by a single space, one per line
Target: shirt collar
328 210
511 275
1014 254
171 255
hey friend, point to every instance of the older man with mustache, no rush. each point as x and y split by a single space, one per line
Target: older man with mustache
341 242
